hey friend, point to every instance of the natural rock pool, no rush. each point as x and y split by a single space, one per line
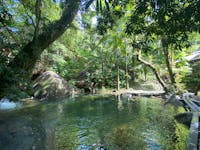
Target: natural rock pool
93 123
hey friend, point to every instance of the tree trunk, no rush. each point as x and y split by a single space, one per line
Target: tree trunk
38 5
167 60
28 56
118 76
102 69
26 59
145 73
118 79
126 72
132 72
153 69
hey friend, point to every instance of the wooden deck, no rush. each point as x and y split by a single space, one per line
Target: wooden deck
191 105
193 138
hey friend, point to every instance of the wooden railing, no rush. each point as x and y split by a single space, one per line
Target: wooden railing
193 138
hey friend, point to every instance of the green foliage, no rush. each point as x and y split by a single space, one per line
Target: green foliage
181 136
21 86
111 11
192 79
180 73
97 52
18 26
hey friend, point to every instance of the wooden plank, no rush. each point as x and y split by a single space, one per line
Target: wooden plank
192 108
195 105
145 93
192 105
197 102
194 100
192 143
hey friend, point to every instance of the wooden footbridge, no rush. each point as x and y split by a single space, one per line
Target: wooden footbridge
193 105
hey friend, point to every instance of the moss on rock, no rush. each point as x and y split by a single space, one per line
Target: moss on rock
51 86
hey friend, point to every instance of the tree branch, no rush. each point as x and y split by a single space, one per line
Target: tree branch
38 17
32 20
153 69
28 56
167 60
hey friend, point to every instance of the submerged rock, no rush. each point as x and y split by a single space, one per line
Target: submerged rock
51 86
21 133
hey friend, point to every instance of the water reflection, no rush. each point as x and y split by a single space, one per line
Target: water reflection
94 123
125 137
119 103
120 124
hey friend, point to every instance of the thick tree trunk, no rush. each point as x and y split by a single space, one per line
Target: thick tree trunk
38 5
153 69
26 59
167 61
28 56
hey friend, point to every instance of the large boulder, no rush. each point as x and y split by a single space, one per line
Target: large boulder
50 85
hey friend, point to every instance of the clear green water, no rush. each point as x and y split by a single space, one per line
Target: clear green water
94 123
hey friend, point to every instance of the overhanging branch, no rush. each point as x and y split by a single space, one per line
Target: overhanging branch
153 69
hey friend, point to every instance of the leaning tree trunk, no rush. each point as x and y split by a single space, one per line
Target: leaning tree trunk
153 69
26 59
167 61
28 56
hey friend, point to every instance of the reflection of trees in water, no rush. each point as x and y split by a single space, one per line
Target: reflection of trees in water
66 138
119 103
133 107
124 137
114 124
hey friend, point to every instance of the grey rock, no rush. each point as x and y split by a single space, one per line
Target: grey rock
51 86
